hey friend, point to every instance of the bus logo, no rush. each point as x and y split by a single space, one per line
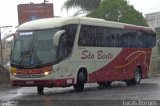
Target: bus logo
99 55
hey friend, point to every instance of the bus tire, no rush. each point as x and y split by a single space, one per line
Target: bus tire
40 90
137 76
104 84
108 83
79 86
129 82
100 83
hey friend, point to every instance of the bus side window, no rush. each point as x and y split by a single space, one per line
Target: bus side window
149 40
62 47
66 41
139 39
83 36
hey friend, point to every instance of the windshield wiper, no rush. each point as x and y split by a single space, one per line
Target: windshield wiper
32 52
29 52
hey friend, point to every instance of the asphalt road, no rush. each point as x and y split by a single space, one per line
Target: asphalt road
145 94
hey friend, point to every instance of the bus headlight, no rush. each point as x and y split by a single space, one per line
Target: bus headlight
46 73
14 74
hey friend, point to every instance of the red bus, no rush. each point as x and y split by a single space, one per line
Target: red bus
62 52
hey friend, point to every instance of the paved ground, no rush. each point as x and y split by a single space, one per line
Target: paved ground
145 94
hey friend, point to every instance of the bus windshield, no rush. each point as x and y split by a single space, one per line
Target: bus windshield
34 48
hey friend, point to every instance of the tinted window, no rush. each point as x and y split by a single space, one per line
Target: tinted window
115 37
66 41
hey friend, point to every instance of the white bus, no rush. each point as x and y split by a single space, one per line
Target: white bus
62 52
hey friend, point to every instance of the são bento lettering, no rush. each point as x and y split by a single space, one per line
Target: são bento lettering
98 55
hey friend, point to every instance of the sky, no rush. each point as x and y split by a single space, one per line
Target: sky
8 10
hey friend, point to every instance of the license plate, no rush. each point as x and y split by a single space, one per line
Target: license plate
29 82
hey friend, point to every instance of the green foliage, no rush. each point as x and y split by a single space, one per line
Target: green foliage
112 10
85 5
119 11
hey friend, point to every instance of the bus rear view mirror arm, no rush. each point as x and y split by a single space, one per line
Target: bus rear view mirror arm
56 37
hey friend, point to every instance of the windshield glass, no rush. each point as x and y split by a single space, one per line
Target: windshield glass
32 48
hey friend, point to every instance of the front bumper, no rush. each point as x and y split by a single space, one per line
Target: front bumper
44 83
30 83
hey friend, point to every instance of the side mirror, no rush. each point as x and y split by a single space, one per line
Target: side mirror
56 37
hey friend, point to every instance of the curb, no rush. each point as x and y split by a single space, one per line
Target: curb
7 86
3 86
158 75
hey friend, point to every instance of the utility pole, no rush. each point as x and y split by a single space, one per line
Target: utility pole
45 8
1 43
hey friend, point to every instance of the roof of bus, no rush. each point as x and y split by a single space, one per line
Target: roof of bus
58 22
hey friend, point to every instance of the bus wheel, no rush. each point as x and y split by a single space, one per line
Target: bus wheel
129 82
80 82
40 90
137 76
104 84
136 79
100 83
108 83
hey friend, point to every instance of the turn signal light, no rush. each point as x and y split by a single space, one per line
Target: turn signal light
13 71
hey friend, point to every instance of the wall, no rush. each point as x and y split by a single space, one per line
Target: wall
153 64
4 76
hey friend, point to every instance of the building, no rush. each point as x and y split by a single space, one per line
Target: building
153 19
29 12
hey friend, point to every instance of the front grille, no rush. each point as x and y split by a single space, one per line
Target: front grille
29 76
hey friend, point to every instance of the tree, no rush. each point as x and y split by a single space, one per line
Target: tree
119 11
85 5
112 10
